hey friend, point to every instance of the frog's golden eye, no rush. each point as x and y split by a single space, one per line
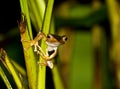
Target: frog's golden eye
64 38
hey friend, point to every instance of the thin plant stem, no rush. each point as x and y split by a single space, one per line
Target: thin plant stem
5 79
6 61
56 78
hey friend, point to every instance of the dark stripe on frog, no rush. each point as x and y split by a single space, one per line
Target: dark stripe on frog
51 52
57 37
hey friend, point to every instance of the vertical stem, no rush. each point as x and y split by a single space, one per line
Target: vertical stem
30 59
46 28
114 17
115 29
26 34
24 10
96 30
57 79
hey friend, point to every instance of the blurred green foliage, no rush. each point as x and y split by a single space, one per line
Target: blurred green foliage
77 63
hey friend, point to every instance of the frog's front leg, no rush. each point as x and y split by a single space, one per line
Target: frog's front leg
34 42
36 46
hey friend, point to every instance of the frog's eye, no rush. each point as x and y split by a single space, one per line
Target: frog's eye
64 38
49 36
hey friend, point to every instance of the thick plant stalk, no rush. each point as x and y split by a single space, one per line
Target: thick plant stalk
30 59
26 34
46 28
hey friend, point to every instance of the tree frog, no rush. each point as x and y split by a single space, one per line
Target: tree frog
53 42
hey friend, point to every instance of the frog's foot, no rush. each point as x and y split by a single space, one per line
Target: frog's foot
42 63
50 64
47 63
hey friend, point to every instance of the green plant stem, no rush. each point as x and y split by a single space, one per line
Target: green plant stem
35 18
47 19
46 28
56 78
5 79
41 7
25 11
19 68
114 14
37 12
30 59
114 18
6 61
